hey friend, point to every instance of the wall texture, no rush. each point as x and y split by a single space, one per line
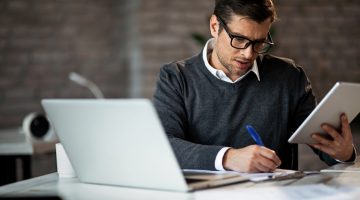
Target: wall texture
120 45
319 35
42 41
323 37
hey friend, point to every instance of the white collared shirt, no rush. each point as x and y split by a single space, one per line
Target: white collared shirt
222 76
209 46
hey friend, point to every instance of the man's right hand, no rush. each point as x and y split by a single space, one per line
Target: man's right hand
251 159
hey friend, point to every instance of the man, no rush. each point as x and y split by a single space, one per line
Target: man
205 102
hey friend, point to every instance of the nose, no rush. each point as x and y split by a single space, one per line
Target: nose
248 53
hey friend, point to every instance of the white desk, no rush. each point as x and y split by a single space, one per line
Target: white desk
14 143
345 185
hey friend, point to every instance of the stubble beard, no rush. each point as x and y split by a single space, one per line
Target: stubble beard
226 65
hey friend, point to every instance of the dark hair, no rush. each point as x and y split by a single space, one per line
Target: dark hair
257 10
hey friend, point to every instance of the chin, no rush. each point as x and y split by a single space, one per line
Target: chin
243 69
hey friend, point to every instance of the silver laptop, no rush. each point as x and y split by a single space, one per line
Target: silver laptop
122 142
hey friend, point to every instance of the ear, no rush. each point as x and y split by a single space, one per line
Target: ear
214 26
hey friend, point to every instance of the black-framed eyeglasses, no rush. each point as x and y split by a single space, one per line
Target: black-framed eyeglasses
240 42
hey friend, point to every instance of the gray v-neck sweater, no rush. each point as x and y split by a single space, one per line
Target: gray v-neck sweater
202 114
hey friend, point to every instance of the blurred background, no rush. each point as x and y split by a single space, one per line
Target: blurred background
121 45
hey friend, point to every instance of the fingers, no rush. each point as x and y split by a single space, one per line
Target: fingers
345 133
340 146
323 140
326 145
262 167
324 148
266 160
271 156
332 132
338 139
252 158
345 127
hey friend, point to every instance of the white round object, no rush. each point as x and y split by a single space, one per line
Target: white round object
38 128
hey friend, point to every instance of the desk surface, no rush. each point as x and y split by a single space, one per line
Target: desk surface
14 143
343 185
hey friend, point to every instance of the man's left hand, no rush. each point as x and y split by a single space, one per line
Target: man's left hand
340 147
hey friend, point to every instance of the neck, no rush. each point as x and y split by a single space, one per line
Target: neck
215 63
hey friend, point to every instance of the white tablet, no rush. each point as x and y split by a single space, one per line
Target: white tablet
342 98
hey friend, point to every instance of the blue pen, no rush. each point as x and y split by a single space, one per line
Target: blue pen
254 135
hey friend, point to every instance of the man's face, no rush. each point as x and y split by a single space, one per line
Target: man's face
236 62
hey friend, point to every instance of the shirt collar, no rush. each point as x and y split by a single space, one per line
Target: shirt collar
209 46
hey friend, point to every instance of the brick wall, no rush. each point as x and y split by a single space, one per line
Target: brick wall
121 45
166 29
42 41
323 37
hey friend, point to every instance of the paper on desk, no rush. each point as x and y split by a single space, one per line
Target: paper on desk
255 177
309 192
342 167
258 177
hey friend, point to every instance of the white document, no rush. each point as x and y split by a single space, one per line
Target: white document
343 168
258 177
254 177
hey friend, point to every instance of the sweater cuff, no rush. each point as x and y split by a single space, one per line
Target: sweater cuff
219 159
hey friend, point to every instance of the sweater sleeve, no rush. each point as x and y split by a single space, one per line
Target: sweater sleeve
304 107
305 100
169 101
